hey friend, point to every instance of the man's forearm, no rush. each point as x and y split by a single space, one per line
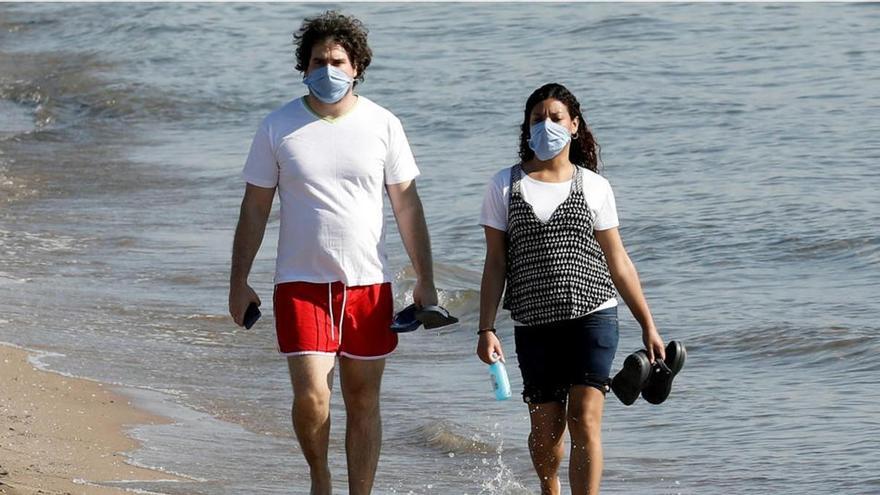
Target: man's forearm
416 240
248 238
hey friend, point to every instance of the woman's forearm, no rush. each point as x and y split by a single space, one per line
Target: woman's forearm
491 289
626 280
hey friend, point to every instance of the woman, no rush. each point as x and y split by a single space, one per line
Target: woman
552 239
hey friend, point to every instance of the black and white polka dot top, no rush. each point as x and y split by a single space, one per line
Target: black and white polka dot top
556 269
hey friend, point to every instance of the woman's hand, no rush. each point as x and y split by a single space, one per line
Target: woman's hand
653 344
489 345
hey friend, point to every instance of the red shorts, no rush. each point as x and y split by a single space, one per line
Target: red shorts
359 325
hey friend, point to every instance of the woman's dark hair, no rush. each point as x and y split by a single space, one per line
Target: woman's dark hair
584 150
348 31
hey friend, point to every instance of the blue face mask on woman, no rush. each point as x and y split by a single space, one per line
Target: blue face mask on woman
329 84
548 139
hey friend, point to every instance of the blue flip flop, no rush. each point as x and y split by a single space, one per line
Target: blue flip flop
405 320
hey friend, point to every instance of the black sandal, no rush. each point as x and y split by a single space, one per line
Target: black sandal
663 372
629 381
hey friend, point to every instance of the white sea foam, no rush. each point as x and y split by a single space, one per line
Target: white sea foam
116 484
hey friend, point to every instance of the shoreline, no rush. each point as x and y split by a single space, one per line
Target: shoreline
61 435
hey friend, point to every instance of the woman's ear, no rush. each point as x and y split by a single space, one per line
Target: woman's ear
575 123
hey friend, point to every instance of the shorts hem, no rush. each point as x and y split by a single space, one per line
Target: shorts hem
304 353
365 358
538 396
544 400
601 387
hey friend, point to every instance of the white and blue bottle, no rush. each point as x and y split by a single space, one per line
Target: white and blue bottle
500 383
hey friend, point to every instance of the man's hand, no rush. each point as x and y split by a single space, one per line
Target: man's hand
424 294
240 297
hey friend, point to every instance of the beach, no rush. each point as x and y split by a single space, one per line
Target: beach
64 435
740 140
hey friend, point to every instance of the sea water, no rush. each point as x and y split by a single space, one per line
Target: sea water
741 140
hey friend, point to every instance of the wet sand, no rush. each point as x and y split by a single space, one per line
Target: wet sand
61 435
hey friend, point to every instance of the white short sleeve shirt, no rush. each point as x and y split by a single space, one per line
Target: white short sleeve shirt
331 174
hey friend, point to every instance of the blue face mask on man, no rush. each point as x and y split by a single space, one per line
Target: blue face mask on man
548 139
329 84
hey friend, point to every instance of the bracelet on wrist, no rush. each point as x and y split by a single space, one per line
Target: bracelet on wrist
484 330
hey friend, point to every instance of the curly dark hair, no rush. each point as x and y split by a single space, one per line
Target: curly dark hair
345 30
584 150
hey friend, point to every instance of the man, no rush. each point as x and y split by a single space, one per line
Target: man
330 154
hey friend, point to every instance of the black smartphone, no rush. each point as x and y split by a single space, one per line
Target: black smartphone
251 315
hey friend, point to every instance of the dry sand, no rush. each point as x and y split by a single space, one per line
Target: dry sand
54 430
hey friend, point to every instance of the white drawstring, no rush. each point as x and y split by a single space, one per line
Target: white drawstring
330 304
341 313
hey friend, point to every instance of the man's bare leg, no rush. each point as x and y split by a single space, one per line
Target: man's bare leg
361 381
312 379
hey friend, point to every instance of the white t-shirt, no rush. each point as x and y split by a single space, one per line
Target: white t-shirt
330 175
545 197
